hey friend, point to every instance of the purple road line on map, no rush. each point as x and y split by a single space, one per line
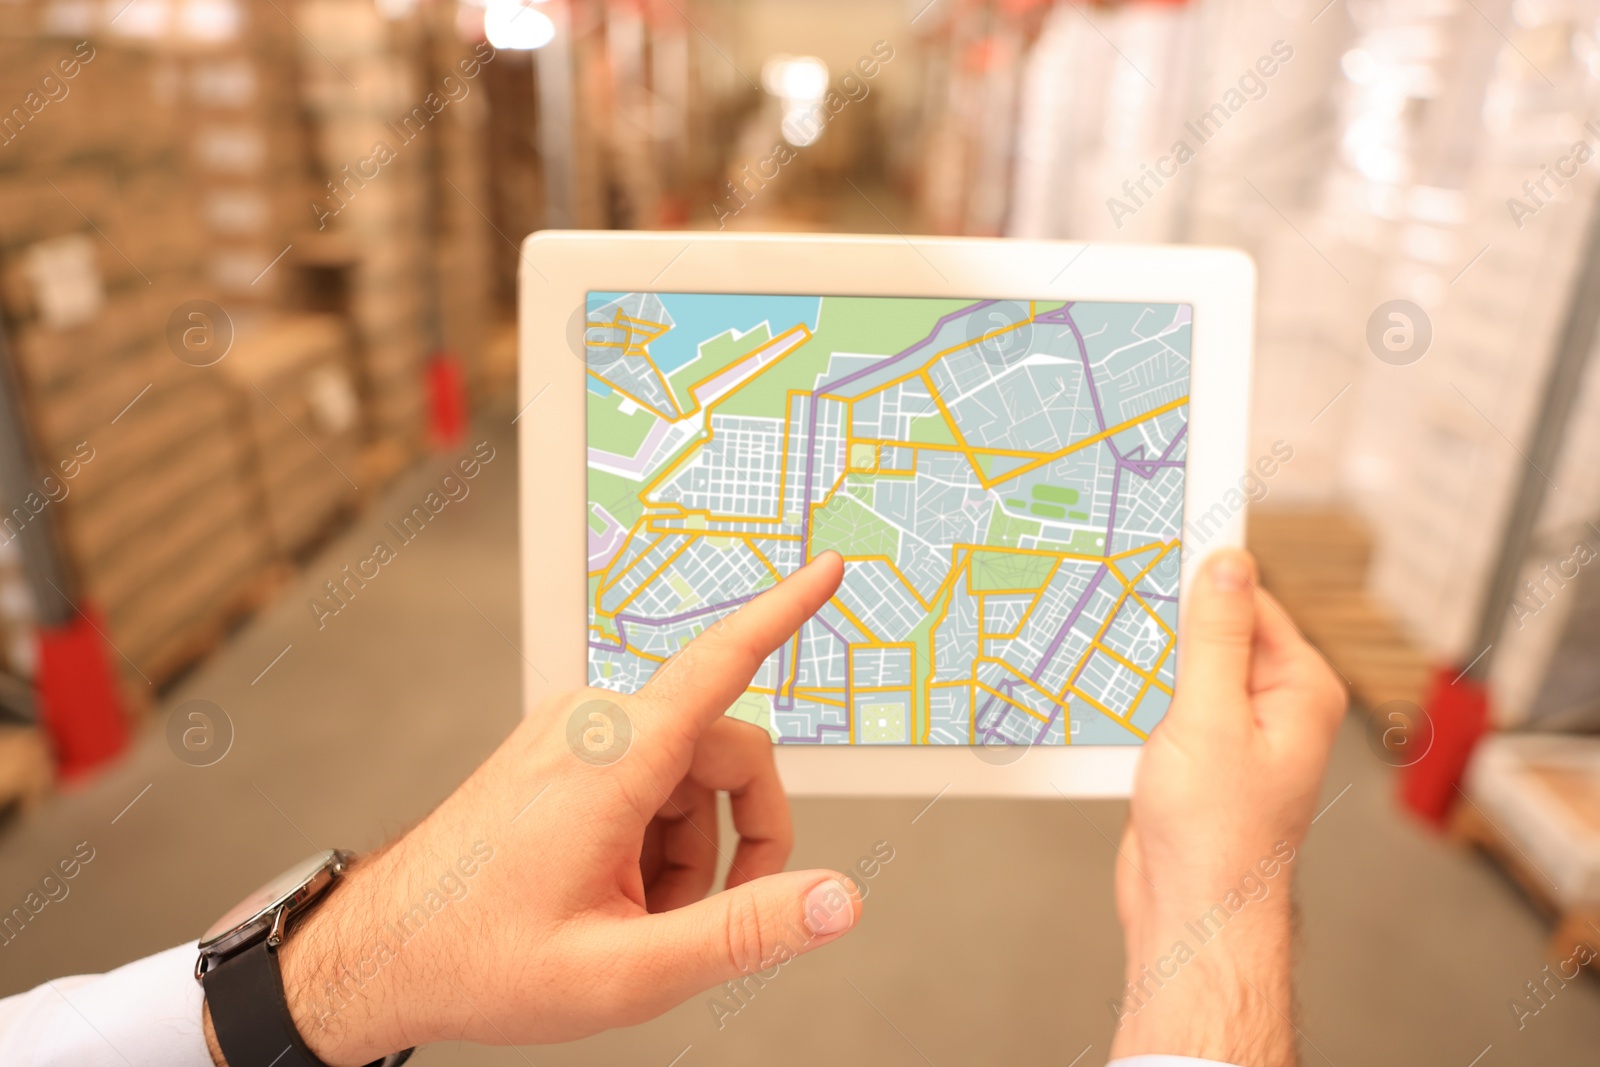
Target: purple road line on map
1146 468
1009 685
1059 315
1055 646
641 620
1051 721
815 739
811 432
1116 487
1072 617
848 702
777 697
1083 352
1174 442
666 620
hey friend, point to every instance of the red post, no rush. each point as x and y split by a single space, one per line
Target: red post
79 703
447 401
1458 710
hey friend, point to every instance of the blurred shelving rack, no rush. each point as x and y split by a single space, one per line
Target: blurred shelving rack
34 600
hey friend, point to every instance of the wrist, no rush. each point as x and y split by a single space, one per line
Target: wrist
346 989
1210 982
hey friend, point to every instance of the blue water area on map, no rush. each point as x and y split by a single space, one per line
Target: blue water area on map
699 317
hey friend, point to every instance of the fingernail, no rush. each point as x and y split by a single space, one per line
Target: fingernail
1231 573
829 908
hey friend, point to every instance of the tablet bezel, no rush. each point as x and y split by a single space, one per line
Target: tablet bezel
557 271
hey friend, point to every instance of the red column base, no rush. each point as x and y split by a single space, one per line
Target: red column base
80 705
1458 712
447 401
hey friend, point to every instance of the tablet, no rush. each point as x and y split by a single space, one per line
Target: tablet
1021 449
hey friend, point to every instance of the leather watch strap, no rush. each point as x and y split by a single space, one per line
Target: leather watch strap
250 1014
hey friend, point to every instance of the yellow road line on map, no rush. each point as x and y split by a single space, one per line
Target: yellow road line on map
1102 709
634 562
1007 700
946 592
1110 431
651 578
811 695
1031 684
1112 614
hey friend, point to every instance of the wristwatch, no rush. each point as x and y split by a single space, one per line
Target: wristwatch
238 966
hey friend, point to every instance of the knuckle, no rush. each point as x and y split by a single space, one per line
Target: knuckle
1223 630
741 931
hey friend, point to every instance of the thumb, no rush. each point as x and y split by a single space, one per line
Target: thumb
1219 623
750 928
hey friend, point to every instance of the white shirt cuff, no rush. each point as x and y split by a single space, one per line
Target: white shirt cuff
146 1014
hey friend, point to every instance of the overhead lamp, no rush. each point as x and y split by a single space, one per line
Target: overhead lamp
517 26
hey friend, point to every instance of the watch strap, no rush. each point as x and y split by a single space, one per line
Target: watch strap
250 1013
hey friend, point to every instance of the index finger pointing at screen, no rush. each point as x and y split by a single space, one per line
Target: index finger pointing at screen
704 680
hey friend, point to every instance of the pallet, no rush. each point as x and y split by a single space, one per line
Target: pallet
1573 927
1315 562
168 661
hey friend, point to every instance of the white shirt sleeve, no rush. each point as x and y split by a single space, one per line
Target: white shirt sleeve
1166 1061
146 1014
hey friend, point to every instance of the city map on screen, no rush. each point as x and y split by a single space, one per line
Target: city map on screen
1004 479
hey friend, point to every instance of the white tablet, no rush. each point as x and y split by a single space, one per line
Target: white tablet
1018 448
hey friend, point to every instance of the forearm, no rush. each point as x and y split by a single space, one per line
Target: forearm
1211 984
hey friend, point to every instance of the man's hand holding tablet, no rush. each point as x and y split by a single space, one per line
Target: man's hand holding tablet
1223 798
591 911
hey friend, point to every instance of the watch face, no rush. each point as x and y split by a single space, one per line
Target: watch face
269 898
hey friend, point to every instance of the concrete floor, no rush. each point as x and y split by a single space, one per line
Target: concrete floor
990 938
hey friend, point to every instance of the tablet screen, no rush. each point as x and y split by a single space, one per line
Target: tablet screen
1004 479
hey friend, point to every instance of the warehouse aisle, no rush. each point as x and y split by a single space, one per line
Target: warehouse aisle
990 935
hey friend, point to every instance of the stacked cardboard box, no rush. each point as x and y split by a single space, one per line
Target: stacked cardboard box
250 150
291 374
173 180
374 128
98 254
460 196
515 171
